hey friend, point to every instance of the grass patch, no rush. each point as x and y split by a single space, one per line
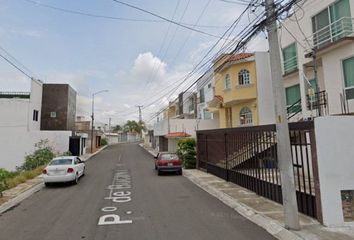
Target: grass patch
22 177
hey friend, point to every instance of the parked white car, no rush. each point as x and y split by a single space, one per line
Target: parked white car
64 169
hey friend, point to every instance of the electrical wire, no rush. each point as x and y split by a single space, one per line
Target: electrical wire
166 19
254 31
15 66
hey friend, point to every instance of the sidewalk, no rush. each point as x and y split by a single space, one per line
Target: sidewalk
263 212
14 196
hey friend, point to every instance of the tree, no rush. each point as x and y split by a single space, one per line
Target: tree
133 126
186 152
117 128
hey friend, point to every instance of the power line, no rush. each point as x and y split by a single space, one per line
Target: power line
86 14
166 19
254 30
15 66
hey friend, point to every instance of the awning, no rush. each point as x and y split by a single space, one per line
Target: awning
215 103
177 135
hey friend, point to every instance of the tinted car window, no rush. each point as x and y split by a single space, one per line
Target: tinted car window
60 162
169 156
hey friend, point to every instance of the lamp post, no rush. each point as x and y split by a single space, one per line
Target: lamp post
92 116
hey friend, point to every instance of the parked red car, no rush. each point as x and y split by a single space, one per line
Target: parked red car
168 162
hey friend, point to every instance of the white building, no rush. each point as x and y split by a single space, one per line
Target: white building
20 126
319 37
205 92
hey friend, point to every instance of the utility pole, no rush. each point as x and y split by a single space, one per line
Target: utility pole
282 128
140 117
109 125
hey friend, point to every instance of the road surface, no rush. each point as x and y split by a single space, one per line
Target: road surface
121 197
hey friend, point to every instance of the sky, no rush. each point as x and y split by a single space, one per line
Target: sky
137 61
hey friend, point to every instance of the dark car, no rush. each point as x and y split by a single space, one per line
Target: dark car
168 162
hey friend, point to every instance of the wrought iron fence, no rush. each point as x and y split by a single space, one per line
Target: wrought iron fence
248 157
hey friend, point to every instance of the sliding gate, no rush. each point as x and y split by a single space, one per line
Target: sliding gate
247 156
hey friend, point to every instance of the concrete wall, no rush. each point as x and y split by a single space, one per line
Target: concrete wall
335 153
16 143
334 76
35 104
17 113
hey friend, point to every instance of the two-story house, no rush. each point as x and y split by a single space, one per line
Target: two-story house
205 94
243 90
318 58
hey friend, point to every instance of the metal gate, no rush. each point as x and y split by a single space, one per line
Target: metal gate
248 157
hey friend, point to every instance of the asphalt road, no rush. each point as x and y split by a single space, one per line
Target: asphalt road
149 206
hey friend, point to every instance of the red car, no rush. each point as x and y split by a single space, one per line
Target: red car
168 162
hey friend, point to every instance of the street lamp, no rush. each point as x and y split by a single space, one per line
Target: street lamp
92 116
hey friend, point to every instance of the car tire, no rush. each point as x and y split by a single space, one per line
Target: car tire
83 172
180 172
155 167
159 172
76 181
47 184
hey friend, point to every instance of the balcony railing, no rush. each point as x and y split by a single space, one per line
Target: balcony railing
332 33
290 64
15 94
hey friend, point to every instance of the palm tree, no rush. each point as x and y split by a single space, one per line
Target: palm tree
133 126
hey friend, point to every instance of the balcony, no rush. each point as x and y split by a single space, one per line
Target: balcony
337 30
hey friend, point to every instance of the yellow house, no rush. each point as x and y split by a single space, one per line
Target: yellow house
238 93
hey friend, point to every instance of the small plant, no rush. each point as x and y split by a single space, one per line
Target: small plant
67 153
186 152
104 141
41 156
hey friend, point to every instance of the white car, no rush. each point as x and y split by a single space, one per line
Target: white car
64 169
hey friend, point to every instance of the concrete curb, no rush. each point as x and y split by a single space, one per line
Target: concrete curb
95 153
151 152
271 226
19 198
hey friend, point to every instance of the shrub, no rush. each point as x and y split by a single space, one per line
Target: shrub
104 141
67 153
186 152
41 156
4 176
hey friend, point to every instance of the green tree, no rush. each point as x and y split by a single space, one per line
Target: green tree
117 128
186 151
133 126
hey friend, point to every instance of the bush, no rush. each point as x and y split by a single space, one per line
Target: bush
41 156
104 141
186 152
67 153
4 176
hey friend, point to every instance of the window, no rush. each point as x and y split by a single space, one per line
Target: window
348 70
332 23
245 116
201 95
292 94
244 77
290 58
209 85
60 162
53 114
168 157
35 115
227 81
207 114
